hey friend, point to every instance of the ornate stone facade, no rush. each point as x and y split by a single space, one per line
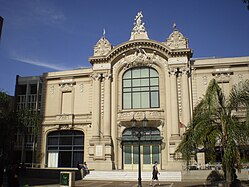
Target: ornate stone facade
95 101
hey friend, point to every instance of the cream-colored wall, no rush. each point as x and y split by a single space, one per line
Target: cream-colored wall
232 70
81 85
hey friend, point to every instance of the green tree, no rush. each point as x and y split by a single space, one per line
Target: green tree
216 122
7 126
247 3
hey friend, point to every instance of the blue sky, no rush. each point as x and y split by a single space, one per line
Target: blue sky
51 35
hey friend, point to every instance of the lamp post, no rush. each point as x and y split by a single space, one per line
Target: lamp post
139 132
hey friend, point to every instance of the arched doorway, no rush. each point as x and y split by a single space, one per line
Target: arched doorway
150 149
65 148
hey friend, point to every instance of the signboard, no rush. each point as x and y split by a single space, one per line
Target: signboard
64 179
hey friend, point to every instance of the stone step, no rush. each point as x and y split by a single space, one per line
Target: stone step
133 176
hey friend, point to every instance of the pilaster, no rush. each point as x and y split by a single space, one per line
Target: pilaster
174 102
185 96
107 105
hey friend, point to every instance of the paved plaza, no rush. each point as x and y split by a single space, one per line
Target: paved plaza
92 183
134 184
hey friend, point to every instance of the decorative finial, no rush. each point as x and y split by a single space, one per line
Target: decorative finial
104 33
174 26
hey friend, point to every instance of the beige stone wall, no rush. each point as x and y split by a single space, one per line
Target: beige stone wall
95 105
77 114
228 71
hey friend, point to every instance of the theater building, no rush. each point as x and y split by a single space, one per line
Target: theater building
88 112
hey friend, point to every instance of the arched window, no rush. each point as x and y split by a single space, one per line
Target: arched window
65 148
140 88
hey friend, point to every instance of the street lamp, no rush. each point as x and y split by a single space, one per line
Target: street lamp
139 131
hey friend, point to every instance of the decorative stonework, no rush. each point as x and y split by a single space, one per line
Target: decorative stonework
222 74
176 40
139 58
172 71
107 76
151 115
138 31
96 76
67 84
52 89
81 85
102 47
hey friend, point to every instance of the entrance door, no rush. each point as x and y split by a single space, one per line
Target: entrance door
150 149
149 154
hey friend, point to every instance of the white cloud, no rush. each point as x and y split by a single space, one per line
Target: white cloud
39 63
28 12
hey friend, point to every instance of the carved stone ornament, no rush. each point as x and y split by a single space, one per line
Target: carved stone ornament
176 40
52 88
138 31
67 84
97 76
139 58
185 70
102 47
172 71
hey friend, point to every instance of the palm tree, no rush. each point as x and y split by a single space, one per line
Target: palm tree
216 121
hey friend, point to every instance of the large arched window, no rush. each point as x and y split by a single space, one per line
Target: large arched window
140 88
65 148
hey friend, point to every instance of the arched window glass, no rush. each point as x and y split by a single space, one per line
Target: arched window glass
140 88
65 148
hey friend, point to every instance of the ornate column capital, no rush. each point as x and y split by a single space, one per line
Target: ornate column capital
184 71
97 76
172 71
107 76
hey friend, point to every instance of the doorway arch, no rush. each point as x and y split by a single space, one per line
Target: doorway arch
150 149
65 148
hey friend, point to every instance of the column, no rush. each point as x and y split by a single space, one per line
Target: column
174 103
96 105
185 97
107 106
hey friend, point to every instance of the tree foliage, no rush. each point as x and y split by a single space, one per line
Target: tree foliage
247 3
7 125
217 121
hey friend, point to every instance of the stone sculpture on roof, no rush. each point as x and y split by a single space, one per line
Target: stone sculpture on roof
138 31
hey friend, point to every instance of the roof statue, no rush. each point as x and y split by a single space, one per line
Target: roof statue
176 40
103 46
138 31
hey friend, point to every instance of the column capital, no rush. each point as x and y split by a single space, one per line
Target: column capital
185 70
172 71
96 76
107 76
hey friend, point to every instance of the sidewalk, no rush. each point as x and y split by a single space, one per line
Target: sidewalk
194 178
144 183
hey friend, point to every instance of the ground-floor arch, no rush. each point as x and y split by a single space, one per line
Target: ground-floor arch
150 147
65 148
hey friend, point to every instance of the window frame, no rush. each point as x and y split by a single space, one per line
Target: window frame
135 85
